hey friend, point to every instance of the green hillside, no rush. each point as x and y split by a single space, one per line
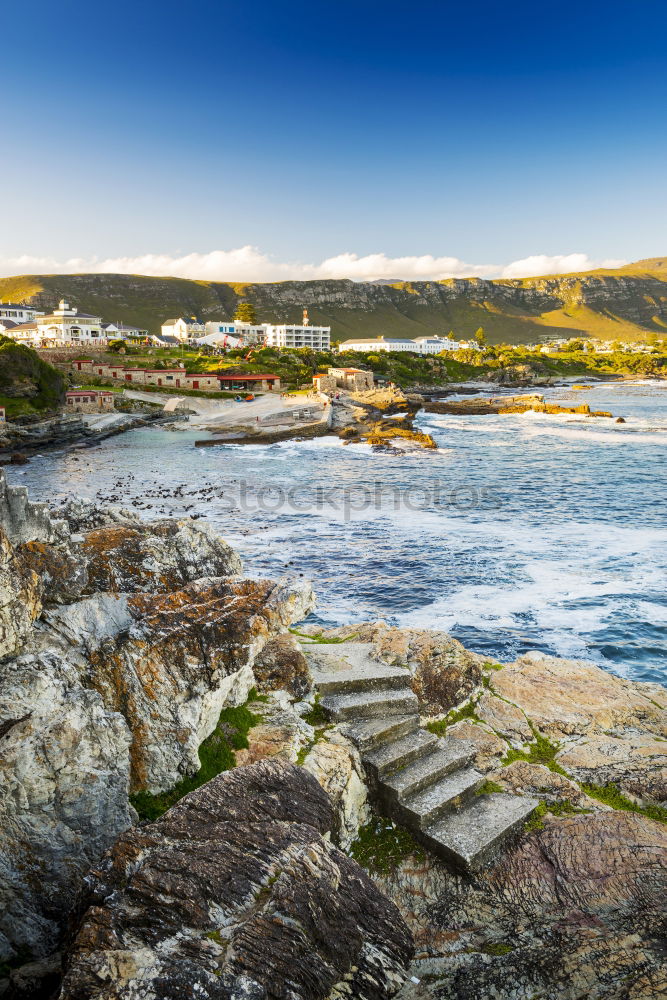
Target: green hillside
28 385
624 304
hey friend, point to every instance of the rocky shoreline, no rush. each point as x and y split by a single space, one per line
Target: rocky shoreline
64 430
182 817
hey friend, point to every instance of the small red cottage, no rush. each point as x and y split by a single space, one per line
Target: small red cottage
88 401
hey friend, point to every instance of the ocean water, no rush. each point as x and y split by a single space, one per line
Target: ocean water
520 532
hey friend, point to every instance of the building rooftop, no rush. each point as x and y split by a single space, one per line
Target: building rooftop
88 392
380 340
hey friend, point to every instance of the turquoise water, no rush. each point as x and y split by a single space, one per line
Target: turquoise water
521 532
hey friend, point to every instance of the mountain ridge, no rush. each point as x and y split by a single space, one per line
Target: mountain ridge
626 303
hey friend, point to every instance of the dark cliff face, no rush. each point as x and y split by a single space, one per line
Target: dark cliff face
626 303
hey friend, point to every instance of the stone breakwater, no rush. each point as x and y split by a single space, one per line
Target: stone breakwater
122 646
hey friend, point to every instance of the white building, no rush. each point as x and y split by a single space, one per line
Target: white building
121 331
375 344
17 313
420 345
183 328
318 338
434 345
223 334
234 333
64 326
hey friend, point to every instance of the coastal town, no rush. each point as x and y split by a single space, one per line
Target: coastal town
194 373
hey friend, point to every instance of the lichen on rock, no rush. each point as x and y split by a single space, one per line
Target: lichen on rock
106 694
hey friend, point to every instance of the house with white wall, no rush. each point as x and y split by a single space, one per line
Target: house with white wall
65 326
374 344
418 345
17 313
184 328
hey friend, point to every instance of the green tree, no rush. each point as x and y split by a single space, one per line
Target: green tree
246 313
480 336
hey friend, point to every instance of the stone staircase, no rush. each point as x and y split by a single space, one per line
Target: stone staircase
423 782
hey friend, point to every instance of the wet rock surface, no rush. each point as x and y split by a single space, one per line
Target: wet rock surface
235 893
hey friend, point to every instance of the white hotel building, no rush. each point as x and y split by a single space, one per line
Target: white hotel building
64 326
229 333
418 345
12 314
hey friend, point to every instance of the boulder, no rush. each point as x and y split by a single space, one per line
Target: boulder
503 717
488 746
566 697
235 893
281 665
155 557
111 692
64 773
637 764
20 598
169 662
85 515
336 765
524 778
61 568
281 733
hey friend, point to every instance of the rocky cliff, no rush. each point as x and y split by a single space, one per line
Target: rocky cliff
119 646
626 303
126 651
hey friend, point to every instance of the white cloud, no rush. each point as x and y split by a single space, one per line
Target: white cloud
530 267
248 263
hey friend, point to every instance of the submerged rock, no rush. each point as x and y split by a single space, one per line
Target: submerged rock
236 894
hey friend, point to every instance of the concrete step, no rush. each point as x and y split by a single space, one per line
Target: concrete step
349 681
393 756
445 757
450 792
367 704
472 837
368 734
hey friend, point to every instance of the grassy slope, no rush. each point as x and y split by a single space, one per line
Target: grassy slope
27 384
622 304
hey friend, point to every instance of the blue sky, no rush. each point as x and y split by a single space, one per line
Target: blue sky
268 140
